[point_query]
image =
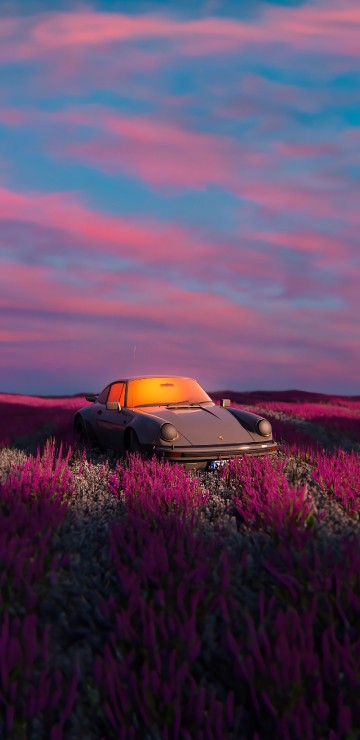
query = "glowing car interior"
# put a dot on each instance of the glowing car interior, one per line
(162, 391)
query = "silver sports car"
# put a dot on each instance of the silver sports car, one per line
(173, 418)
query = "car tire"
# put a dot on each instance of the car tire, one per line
(81, 433)
(134, 445)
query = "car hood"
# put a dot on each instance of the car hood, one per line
(211, 425)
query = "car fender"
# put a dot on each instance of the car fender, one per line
(88, 426)
(248, 420)
(147, 429)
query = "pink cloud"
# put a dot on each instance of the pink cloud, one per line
(261, 94)
(325, 249)
(81, 71)
(165, 153)
(254, 264)
(97, 318)
(96, 331)
(250, 314)
(58, 224)
(48, 293)
(45, 289)
(57, 31)
(285, 198)
(159, 152)
(251, 349)
(327, 332)
(168, 153)
(147, 240)
(13, 116)
(303, 149)
(325, 27)
(327, 197)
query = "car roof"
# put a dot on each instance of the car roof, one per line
(144, 377)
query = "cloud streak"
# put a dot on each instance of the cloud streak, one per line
(327, 27)
(187, 183)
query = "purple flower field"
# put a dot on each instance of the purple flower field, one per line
(140, 600)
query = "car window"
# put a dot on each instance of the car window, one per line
(103, 395)
(163, 390)
(117, 393)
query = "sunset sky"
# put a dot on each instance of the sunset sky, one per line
(179, 193)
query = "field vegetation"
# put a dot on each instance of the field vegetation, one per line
(140, 600)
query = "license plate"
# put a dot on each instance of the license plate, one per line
(215, 464)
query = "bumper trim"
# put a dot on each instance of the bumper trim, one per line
(205, 454)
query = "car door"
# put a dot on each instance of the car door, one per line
(111, 422)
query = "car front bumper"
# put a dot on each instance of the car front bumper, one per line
(199, 457)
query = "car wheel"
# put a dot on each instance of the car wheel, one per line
(81, 433)
(133, 442)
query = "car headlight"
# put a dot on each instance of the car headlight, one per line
(168, 432)
(264, 427)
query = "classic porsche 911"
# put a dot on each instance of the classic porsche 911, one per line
(173, 418)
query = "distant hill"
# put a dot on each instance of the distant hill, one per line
(292, 396)
(36, 395)
(246, 397)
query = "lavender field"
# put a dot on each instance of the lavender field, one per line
(140, 600)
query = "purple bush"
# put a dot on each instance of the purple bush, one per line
(291, 668)
(22, 417)
(339, 476)
(32, 507)
(292, 686)
(294, 441)
(165, 592)
(157, 487)
(343, 419)
(202, 641)
(263, 498)
(27, 687)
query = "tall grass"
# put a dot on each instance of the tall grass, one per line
(203, 640)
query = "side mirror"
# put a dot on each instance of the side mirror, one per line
(91, 397)
(113, 406)
(225, 402)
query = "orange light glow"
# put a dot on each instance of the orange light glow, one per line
(161, 391)
(117, 393)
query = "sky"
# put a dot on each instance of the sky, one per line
(180, 194)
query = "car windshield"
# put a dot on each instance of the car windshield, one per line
(164, 391)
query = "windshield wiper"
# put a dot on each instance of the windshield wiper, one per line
(184, 404)
(176, 404)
